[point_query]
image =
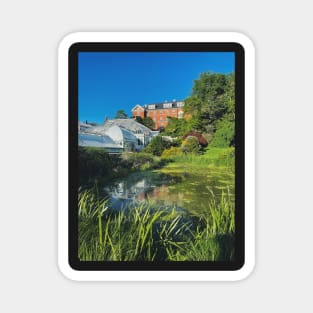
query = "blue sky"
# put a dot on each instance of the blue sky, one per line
(109, 81)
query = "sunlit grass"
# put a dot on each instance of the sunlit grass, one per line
(211, 157)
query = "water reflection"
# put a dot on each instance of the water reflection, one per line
(191, 192)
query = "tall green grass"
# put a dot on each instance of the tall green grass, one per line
(146, 233)
(213, 156)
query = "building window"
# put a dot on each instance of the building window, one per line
(167, 105)
(180, 104)
(180, 114)
(151, 106)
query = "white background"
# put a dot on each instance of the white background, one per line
(30, 32)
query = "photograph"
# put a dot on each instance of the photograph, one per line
(156, 156)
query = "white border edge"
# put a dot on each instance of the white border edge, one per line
(249, 264)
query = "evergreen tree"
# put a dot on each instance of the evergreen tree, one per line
(147, 121)
(121, 114)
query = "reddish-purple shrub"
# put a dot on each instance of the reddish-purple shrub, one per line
(197, 135)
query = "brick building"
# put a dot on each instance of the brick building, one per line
(159, 112)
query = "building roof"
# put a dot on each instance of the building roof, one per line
(137, 106)
(91, 140)
(161, 105)
(118, 134)
(131, 124)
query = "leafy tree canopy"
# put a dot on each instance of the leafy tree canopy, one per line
(225, 132)
(147, 121)
(212, 96)
(212, 107)
(176, 127)
(121, 114)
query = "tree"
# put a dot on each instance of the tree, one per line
(176, 127)
(195, 123)
(210, 97)
(225, 132)
(139, 119)
(121, 114)
(212, 107)
(147, 121)
(193, 105)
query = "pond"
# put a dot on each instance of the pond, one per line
(185, 189)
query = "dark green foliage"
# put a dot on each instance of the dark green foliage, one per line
(195, 123)
(137, 159)
(176, 142)
(142, 161)
(176, 127)
(157, 145)
(193, 105)
(212, 95)
(212, 107)
(147, 121)
(225, 133)
(95, 163)
(121, 114)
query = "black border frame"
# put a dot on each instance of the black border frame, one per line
(73, 260)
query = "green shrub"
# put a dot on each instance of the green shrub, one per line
(191, 145)
(157, 145)
(201, 140)
(136, 160)
(95, 163)
(142, 161)
(171, 152)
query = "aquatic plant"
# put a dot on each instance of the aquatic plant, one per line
(148, 233)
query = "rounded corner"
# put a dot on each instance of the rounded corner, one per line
(245, 271)
(67, 271)
(68, 41)
(244, 41)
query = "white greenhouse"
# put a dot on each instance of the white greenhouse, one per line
(126, 134)
(99, 141)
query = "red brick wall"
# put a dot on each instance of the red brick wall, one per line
(159, 116)
(139, 112)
